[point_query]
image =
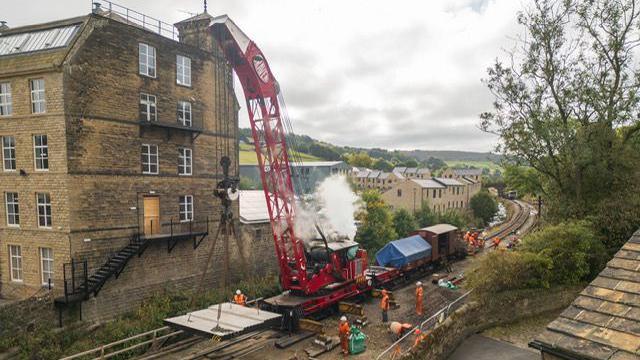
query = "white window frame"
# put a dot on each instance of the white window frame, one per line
(183, 70)
(15, 269)
(6, 107)
(43, 201)
(12, 208)
(38, 100)
(41, 162)
(186, 208)
(149, 103)
(46, 257)
(148, 157)
(10, 150)
(147, 60)
(184, 113)
(185, 161)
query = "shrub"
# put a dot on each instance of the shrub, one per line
(484, 206)
(575, 251)
(500, 271)
(403, 222)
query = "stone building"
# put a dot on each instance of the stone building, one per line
(255, 229)
(439, 194)
(112, 135)
(375, 179)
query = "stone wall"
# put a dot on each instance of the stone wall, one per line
(475, 317)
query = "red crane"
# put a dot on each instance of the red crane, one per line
(261, 92)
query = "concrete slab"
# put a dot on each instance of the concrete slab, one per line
(478, 347)
(225, 320)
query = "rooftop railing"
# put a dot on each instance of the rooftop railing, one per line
(118, 12)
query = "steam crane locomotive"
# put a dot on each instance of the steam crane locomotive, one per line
(315, 275)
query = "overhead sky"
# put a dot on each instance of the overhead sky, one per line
(370, 73)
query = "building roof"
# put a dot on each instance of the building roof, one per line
(467, 172)
(604, 321)
(448, 181)
(318, 163)
(469, 180)
(363, 173)
(411, 170)
(374, 174)
(253, 207)
(399, 169)
(424, 171)
(385, 175)
(201, 16)
(35, 39)
(440, 228)
(428, 184)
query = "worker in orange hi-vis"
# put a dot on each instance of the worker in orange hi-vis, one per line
(239, 298)
(496, 242)
(384, 305)
(398, 329)
(344, 330)
(419, 297)
(420, 336)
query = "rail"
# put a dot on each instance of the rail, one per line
(131, 17)
(430, 322)
(102, 352)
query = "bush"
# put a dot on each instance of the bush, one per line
(484, 206)
(500, 271)
(573, 248)
(403, 222)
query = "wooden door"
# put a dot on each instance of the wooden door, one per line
(151, 215)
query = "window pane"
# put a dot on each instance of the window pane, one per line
(41, 152)
(5, 99)
(9, 153)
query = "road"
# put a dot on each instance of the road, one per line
(478, 347)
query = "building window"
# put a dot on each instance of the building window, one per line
(44, 210)
(439, 193)
(147, 60)
(149, 159)
(5, 99)
(38, 103)
(183, 70)
(184, 113)
(41, 152)
(399, 192)
(15, 254)
(258, 234)
(434, 193)
(184, 161)
(9, 153)
(148, 109)
(46, 264)
(13, 210)
(186, 208)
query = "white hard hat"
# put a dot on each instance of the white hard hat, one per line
(238, 292)
(344, 318)
(419, 283)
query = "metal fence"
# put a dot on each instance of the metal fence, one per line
(403, 345)
(118, 12)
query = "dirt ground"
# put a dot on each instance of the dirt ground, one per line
(378, 336)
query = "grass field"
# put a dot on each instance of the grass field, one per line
(248, 155)
(479, 164)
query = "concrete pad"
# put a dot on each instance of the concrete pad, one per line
(224, 321)
(478, 347)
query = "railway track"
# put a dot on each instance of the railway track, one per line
(517, 222)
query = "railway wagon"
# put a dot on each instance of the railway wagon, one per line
(443, 239)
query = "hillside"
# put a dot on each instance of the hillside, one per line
(314, 150)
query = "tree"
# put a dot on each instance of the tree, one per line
(425, 217)
(382, 164)
(434, 163)
(525, 180)
(483, 206)
(566, 104)
(324, 151)
(377, 227)
(410, 163)
(403, 222)
(361, 159)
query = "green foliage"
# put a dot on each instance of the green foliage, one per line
(377, 227)
(425, 217)
(248, 184)
(410, 163)
(382, 164)
(501, 271)
(484, 206)
(524, 179)
(568, 109)
(576, 253)
(404, 223)
(324, 151)
(434, 164)
(361, 159)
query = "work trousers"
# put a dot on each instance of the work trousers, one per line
(385, 318)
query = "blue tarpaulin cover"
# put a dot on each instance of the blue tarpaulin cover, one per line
(399, 253)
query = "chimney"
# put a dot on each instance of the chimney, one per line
(3, 26)
(195, 31)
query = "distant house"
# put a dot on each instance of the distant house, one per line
(439, 194)
(375, 179)
(412, 173)
(306, 176)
